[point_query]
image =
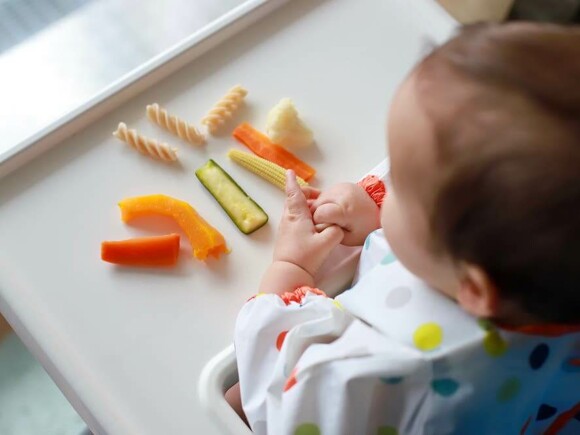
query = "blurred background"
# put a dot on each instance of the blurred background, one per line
(55, 55)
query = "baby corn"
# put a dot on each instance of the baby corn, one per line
(269, 171)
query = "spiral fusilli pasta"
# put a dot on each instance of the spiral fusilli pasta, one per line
(149, 147)
(224, 108)
(174, 125)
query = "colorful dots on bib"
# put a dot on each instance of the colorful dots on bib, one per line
(398, 297)
(445, 387)
(392, 380)
(545, 412)
(337, 304)
(291, 381)
(307, 429)
(387, 430)
(388, 259)
(368, 242)
(428, 336)
(485, 324)
(494, 344)
(280, 339)
(571, 365)
(508, 390)
(539, 356)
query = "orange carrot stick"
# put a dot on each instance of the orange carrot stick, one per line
(262, 146)
(142, 251)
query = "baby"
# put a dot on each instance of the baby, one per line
(464, 316)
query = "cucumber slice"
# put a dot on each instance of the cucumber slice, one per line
(242, 210)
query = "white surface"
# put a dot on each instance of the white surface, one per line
(127, 346)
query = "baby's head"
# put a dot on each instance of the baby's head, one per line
(484, 141)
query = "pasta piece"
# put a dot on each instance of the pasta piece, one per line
(149, 147)
(174, 125)
(224, 108)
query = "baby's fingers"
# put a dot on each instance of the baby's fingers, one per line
(331, 237)
(331, 214)
(311, 193)
(321, 227)
(310, 204)
(296, 205)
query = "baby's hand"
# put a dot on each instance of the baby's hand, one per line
(298, 242)
(349, 206)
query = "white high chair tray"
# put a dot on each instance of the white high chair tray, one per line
(127, 346)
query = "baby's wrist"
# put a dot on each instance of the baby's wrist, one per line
(284, 276)
(374, 188)
(294, 267)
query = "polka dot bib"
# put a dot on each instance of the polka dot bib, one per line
(395, 302)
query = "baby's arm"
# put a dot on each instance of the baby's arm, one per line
(349, 206)
(300, 249)
(298, 253)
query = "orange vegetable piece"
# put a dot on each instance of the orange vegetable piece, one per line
(205, 240)
(262, 146)
(143, 251)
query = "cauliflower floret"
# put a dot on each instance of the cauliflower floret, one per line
(285, 128)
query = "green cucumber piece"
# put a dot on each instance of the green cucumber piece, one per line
(242, 210)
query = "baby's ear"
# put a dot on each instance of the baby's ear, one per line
(477, 294)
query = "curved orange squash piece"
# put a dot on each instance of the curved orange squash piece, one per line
(205, 240)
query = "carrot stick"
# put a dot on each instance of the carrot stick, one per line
(143, 251)
(262, 146)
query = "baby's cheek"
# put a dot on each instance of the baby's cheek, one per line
(399, 233)
(391, 222)
(385, 214)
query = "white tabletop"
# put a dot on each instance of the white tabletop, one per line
(127, 346)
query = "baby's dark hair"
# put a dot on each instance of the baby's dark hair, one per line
(508, 144)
